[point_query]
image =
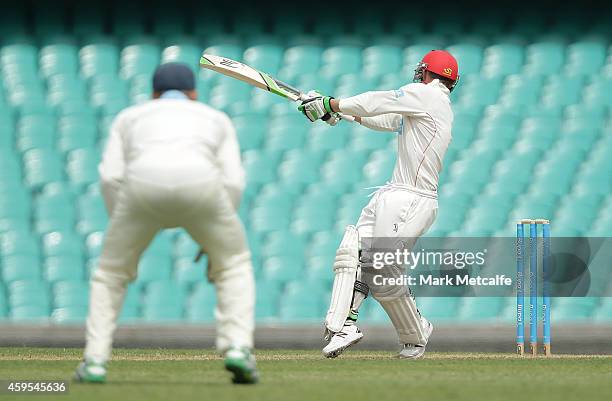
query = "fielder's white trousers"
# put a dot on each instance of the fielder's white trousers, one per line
(205, 211)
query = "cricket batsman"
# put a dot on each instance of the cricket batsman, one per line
(173, 162)
(403, 209)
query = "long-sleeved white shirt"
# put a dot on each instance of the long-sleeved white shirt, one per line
(422, 116)
(171, 142)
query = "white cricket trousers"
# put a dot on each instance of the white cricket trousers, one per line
(205, 211)
(404, 213)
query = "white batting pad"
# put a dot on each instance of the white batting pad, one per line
(345, 270)
(406, 319)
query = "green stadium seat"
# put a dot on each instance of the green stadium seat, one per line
(201, 303)
(300, 167)
(163, 299)
(94, 243)
(251, 130)
(484, 90)
(268, 294)
(62, 244)
(502, 59)
(69, 315)
(288, 244)
(188, 54)
(260, 167)
(481, 308)
(154, 268)
(19, 243)
(585, 57)
(98, 59)
(439, 308)
(29, 293)
(341, 59)
(162, 244)
(266, 58)
(14, 205)
(562, 90)
(35, 132)
(42, 166)
(574, 309)
(92, 214)
(586, 111)
(186, 271)
(58, 58)
(29, 313)
(281, 269)
(381, 59)
(63, 267)
(283, 138)
(547, 57)
(82, 167)
(20, 267)
(379, 168)
(322, 137)
(299, 60)
(598, 93)
(185, 247)
(70, 294)
(343, 168)
(294, 308)
(311, 218)
(469, 57)
(51, 213)
(365, 139)
(75, 135)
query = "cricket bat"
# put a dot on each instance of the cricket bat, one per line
(251, 76)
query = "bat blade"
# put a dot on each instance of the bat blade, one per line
(250, 75)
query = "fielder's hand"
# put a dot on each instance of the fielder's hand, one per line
(317, 107)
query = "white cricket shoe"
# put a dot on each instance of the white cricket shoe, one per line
(349, 335)
(413, 351)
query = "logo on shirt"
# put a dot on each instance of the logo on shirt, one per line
(448, 71)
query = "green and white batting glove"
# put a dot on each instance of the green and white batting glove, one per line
(316, 106)
(333, 118)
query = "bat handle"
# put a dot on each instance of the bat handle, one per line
(345, 117)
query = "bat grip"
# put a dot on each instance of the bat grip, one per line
(345, 117)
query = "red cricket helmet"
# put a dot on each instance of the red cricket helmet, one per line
(439, 62)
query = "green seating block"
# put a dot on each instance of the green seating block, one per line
(70, 293)
(42, 166)
(20, 267)
(201, 303)
(62, 268)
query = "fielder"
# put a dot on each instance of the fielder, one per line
(403, 209)
(173, 162)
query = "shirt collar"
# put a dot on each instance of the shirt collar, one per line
(173, 94)
(440, 85)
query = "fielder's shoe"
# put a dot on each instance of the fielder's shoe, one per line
(349, 335)
(90, 371)
(413, 351)
(242, 364)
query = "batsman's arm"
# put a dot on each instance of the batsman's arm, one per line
(405, 101)
(388, 122)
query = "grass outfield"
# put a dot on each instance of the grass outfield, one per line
(136, 375)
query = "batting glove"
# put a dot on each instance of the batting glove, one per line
(316, 107)
(331, 118)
